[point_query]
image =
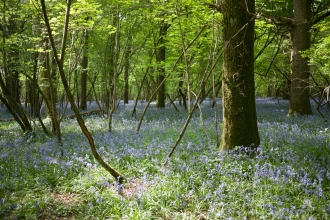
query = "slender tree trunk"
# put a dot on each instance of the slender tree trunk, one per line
(16, 107)
(126, 73)
(60, 60)
(12, 75)
(44, 81)
(239, 126)
(114, 70)
(52, 103)
(139, 91)
(12, 112)
(10, 85)
(109, 69)
(161, 94)
(299, 93)
(182, 93)
(34, 93)
(83, 82)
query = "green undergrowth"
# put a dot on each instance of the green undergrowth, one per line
(288, 179)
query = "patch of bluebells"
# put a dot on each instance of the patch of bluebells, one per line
(289, 177)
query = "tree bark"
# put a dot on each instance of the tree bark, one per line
(126, 73)
(182, 93)
(16, 107)
(161, 94)
(113, 106)
(44, 81)
(84, 65)
(12, 73)
(110, 67)
(299, 92)
(238, 91)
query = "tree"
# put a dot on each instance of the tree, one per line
(11, 27)
(84, 65)
(44, 80)
(161, 57)
(301, 40)
(126, 69)
(239, 126)
(298, 18)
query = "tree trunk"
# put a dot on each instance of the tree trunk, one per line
(12, 76)
(126, 73)
(34, 93)
(238, 91)
(52, 104)
(182, 93)
(109, 71)
(299, 93)
(114, 76)
(44, 81)
(84, 65)
(161, 94)
(15, 107)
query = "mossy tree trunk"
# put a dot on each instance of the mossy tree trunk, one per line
(238, 91)
(299, 93)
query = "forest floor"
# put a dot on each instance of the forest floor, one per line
(288, 179)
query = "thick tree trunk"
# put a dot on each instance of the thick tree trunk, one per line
(161, 94)
(84, 65)
(299, 93)
(238, 91)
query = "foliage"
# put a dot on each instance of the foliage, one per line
(288, 179)
(318, 53)
(139, 23)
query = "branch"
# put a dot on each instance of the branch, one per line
(321, 17)
(278, 21)
(214, 6)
